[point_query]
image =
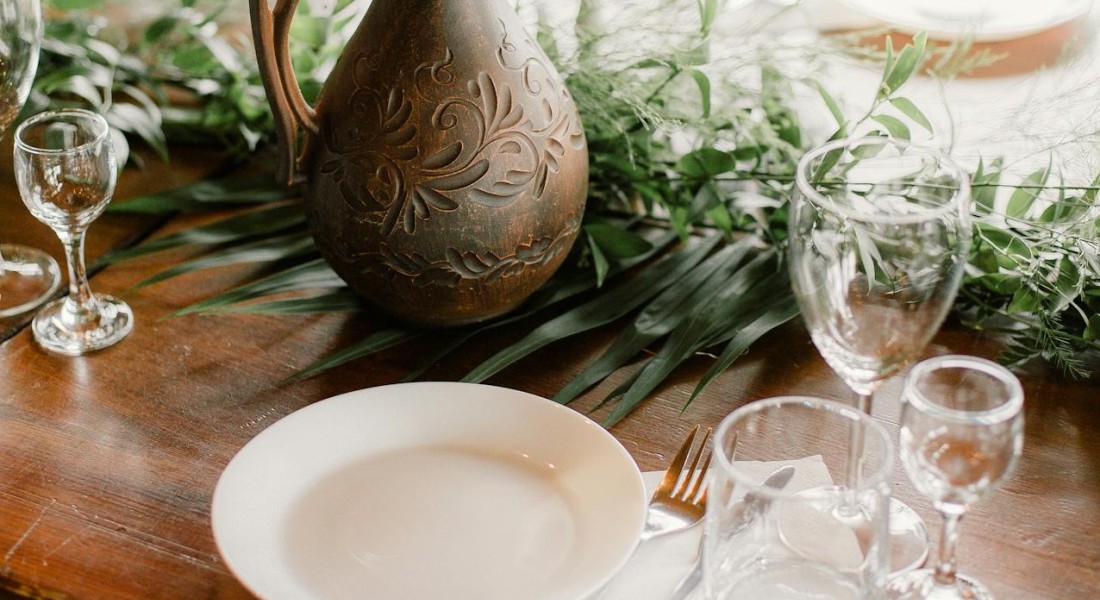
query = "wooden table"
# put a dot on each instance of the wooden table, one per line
(108, 461)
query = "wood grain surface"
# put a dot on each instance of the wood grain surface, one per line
(108, 461)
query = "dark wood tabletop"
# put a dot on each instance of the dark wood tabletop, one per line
(108, 462)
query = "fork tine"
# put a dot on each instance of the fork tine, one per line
(701, 474)
(672, 474)
(689, 487)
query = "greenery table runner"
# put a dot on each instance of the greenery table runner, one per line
(695, 116)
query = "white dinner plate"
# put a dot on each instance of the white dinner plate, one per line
(429, 491)
(985, 20)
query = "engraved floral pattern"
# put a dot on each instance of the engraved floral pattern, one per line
(377, 167)
(488, 266)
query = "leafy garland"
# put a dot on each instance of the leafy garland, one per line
(705, 178)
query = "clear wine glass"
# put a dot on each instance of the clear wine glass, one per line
(66, 170)
(961, 436)
(28, 276)
(879, 237)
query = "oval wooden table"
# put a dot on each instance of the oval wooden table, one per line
(108, 461)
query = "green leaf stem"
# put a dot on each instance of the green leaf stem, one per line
(702, 151)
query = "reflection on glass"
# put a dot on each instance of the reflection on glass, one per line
(28, 276)
(66, 171)
(961, 435)
(879, 236)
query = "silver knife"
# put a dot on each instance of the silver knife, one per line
(777, 480)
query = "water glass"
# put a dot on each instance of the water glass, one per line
(812, 536)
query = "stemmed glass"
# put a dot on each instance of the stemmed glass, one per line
(66, 171)
(28, 276)
(961, 436)
(879, 236)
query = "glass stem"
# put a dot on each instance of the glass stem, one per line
(79, 309)
(855, 445)
(945, 561)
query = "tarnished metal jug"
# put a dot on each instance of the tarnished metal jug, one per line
(444, 163)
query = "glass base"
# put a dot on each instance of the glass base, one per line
(113, 322)
(908, 538)
(28, 278)
(921, 585)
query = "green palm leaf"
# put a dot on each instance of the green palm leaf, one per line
(768, 319)
(376, 342)
(703, 328)
(253, 224)
(307, 276)
(339, 301)
(660, 316)
(557, 290)
(208, 194)
(609, 306)
(266, 250)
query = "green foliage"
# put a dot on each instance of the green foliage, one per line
(1035, 268)
(182, 77)
(702, 152)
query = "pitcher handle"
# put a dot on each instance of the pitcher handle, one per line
(271, 36)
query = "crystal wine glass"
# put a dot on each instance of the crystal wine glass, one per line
(66, 171)
(961, 436)
(28, 276)
(879, 236)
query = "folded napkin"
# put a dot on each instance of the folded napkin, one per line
(659, 564)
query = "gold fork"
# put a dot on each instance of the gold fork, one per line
(680, 499)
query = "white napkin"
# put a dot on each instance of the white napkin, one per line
(659, 564)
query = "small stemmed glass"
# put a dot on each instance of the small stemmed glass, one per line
(879, 237)
(961, 436)
(66, 170)
(28, 276)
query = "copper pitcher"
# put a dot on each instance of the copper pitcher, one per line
(444, 164)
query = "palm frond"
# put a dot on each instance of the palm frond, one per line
(310, 275)
(663, 314)
(266, 250)
(707, 325)
(250, 225)
(375, 342)
(343, 300)
(208, 194)
(609, 306)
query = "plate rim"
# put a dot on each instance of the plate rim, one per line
(275, 429)
(986, 35)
